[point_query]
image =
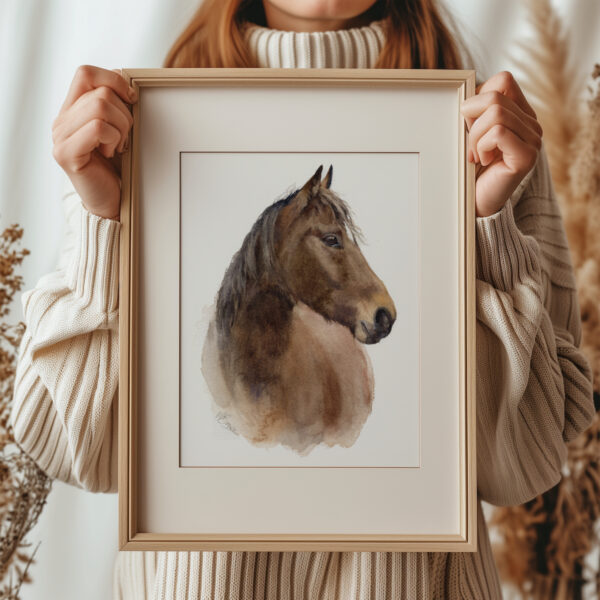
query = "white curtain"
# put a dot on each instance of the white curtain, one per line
(42, 42)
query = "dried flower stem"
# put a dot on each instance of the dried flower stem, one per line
(24, 487)
(545, 541)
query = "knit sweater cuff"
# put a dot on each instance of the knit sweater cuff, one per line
(505, 256)
(93, 272)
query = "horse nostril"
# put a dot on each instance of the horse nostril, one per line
(383, 320)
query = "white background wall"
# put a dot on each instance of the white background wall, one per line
(41, 45)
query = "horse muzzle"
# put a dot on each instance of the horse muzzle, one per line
(380, 327)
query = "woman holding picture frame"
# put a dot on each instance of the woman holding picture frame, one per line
(533, 383)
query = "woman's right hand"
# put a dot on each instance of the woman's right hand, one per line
(89, 134)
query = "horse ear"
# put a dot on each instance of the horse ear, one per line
(302, 198)
(327, 181)
(312, 185)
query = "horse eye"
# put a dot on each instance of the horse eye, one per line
(332, 240)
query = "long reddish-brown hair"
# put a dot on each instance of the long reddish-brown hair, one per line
(416, 35)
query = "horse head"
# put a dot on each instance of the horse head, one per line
(322, 265)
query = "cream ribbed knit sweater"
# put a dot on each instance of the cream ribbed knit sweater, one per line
(533, 385)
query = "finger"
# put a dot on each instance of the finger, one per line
(518, 157)
(88, 77)
(474, 107)
(74, 152)
(506, 84)
(99, 103)
(497, 114)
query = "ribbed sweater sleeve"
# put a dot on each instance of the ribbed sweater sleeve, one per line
(64, 406)
(534, 391)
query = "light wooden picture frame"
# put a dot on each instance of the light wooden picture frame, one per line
(297, 312)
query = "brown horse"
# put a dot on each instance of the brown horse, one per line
(281, 356)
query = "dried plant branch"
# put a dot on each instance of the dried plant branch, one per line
(544, 543)
(24, 487)
(584, 240)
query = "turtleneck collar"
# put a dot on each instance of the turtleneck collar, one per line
(357, 47)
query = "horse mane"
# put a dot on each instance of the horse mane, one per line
(256, 258)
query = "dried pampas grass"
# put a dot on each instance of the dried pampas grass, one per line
(551, 84)
(545, 542)
(23, 486)
(584, 236)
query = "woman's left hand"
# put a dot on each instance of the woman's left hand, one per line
(504, 138)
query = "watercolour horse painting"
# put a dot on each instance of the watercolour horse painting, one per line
(284, 355)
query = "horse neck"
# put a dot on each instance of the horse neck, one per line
(260, 334)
